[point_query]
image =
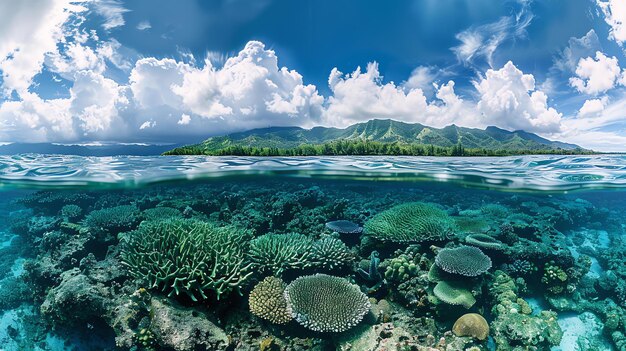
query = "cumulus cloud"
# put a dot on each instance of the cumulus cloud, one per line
(593, 107)
(615, 16)
(509, 99)
(597, 75)
(29, 30)
(144, 25)
(577, 48)
(480, 42)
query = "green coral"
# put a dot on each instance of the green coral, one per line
(71, 211)
(331, 253)
(160, 213)
(554, 278)
(113, 219)
(484, 241)
(411, 222)
(275, 253)
(405, 265)
(187, 257)
(325, 303)
(468, 261)
(454, 294)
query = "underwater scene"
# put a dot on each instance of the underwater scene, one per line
(335, 253)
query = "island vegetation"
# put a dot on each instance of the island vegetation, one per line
(365, 148)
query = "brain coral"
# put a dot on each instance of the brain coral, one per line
(464, 260)
(187, 256)
(267, 301)
(325, 303)
(410, 222)
(471, 324)
(275, 253)
(454, 295)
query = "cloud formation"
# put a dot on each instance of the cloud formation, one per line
(615, 16)
(595, 76)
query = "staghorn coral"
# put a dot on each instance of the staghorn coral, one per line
(187, 256)
(410, 222)
(330, 253)
(267, 301)
(71, 212)
(113, 219)
(468, 261)
(325, 303)
(471, 324)
(275, 253)
(454, 294)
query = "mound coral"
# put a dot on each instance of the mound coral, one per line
(411, 222)
(330, 253)
(471, 324)
(325, 303)
(485, 242)
(187, 256)
(454, 295)
(267, 301)
(113, 219)
(468, 261)
(275, 253)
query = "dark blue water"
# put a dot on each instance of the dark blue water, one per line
(363, 253)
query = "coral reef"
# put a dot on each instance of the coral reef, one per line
(471, 324)
(187, 256)
(325, 303)
(468, 261)
(267, 301)
(275, 253)
(410, 222)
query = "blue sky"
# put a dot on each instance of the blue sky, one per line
(165, 71)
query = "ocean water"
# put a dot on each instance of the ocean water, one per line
(327, 253)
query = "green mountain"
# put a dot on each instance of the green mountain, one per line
(377, 132)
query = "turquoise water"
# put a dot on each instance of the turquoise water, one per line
(346, 253)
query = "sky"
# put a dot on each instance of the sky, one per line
(163, 71)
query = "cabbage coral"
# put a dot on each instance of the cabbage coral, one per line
(410, 222)
(454, 295)
(325, 303)
(468, 261)
(188, 257)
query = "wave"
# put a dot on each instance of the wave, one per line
(518, 173)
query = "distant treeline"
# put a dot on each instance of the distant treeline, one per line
(363, 147)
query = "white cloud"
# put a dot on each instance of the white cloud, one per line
(509, 99)
(144, 25)
(147, 124)
(597, 75)
(29, 30)
(112, 11)
(593, 107)
(615, 16)
(184, 119)
(421, 77)
(247, 86)
(577, 49)
(481, 42)
(151, 82)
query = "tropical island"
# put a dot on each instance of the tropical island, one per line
(379, 137)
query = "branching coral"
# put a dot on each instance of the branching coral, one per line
(464, 260)
(160, 213)
(267, 301)
(187, 257)
(113, 219)
(411, 222)
(330, 253)
(325, 303)
(275, 253)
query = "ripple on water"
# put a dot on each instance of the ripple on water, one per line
(540, 173)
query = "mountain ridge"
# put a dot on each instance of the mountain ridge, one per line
(385, 131)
